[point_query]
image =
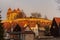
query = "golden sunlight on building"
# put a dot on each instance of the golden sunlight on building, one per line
(23, 22)
(14, 14)
(17, 17)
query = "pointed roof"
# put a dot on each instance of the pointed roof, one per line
(57, 19)
(9, 11)
(14, 10)
(17, 28)
(18, 10)
(28, 30)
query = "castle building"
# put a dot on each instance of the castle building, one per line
(15, 14)
(17, 19)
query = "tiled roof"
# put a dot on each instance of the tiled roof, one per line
(7, 25)
(21, 22)
(57, 20)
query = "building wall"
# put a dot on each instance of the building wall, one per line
(29, 36)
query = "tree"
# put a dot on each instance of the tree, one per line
(1, 32)
(36, 15)
(1, 29)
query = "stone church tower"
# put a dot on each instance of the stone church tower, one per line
(15, 14)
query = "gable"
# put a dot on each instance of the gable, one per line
(57, 20)
(17, 28)
(27, 29)
(55, 23)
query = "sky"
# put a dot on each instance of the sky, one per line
(45, 7)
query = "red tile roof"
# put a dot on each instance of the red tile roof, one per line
(21, 22)
(57, 20)
(6, 25)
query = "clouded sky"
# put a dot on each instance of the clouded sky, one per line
(45, 7)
